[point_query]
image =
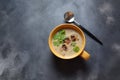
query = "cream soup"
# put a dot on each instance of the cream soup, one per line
(67, 42)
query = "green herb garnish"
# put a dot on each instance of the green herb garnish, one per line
(56, 43)
(73, 44)
(56, 36)
(59, 37)
(60, 41)
(62, 32)
(76, 49)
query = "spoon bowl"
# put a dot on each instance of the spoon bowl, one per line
(69, 17)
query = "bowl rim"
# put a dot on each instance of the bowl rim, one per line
(55, 29)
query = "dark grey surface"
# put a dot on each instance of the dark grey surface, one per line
(24, 29)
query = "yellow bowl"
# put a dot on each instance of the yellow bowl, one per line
(81, 52)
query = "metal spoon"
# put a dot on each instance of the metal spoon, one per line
(69, 18)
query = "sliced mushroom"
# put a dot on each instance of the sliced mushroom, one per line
(73, 38)
(64, 47)
(67, 40)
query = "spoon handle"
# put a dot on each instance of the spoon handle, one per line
(88, 33)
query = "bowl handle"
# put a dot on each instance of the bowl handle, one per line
(85, 55)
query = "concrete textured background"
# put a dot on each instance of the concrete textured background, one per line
(24, 29)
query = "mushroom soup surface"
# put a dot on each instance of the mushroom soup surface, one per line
(67, 42)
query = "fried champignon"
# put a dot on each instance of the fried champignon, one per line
(67, 40)
(73, 38)
(64, 47)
